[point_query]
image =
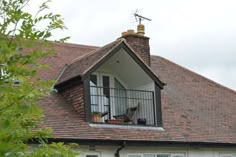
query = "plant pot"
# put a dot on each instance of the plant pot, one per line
(142, 121)
(115, 121)
(96, 118)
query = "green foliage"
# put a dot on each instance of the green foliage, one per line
(23, 42)
(97, 113)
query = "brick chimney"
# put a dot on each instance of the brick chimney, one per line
(139, 42)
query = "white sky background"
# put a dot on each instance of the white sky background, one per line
(197, 34)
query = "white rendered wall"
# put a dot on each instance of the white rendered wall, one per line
(109, 151)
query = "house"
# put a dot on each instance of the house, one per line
(118, 100)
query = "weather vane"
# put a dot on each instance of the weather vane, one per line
(140, 18)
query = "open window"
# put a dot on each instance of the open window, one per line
(113, 102)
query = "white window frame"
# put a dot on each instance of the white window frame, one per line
(92, 153)
(141, 154)
(177, 154)
(171, 154)
(163, 154)
(112, 77)
(150, 154)
(99, 76)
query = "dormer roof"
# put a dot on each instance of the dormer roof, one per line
(84, 65)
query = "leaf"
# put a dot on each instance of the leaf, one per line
(19, 112)
(64, 39)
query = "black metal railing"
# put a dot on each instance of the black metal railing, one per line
(122, 106)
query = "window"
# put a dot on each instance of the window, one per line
(92, 155)
(177, 155)
(163, 155)
(157, 155)
(149, 155)
(111, 102)
(100, 93)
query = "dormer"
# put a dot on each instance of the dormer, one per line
(114, 84)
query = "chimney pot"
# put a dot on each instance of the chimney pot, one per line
(130, 31)
(124, 34)
(141, 29)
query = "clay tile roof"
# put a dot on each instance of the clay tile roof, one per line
(80, 65)
(65, 53)
(194, 108)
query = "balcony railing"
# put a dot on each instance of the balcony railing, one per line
(122, 106)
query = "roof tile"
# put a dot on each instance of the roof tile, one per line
(194, 108)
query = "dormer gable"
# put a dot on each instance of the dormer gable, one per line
(83, 66)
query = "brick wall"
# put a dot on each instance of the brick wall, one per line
(140, 45)
(75, 96)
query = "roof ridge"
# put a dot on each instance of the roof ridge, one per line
(75, 45)
(91, 52)
(195, 73)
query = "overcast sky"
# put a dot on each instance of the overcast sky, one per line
(197, 34)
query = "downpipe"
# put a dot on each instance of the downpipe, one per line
(117, 154)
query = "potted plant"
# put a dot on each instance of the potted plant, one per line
(141, 121)
(96, 117)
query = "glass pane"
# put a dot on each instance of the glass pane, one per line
(106, 85)
(163, 155)
(106, 95)
(177, 155)
(94, 93)
(120, 96)
(149, 155)
(93, 80)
